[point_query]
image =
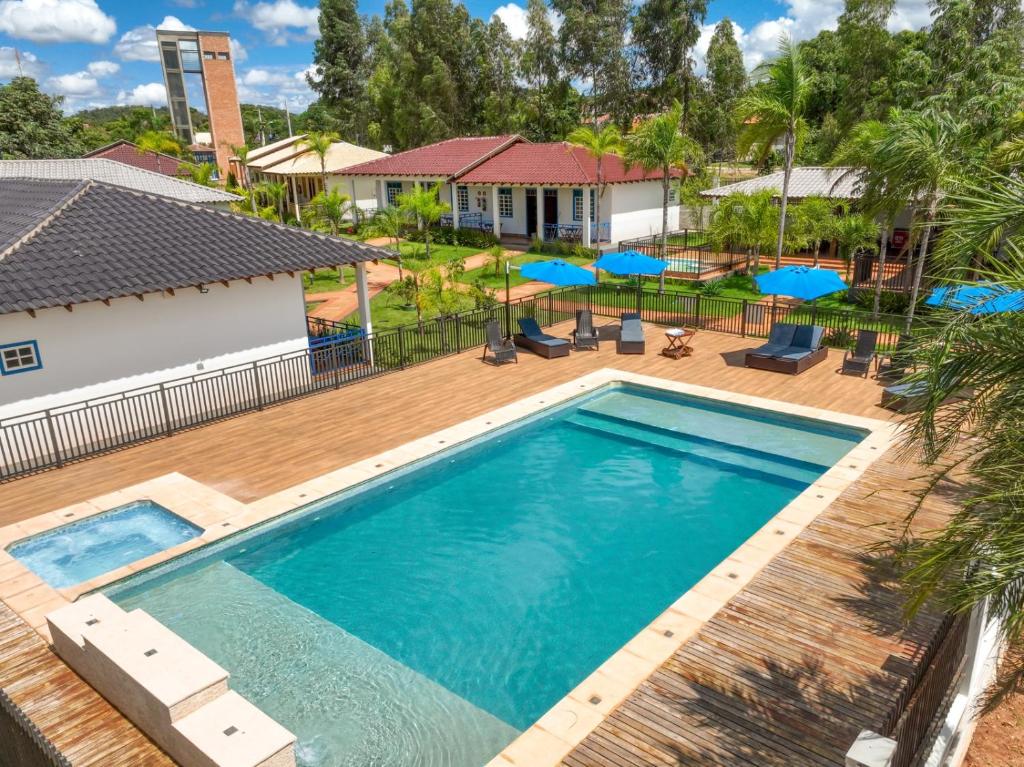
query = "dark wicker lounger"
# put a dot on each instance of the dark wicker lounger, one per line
(539, 342)
(804, 349)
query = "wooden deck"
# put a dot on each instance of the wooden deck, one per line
(253, 455)
(787, 674)
(77, 721)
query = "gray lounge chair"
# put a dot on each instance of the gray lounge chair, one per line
(805, 350)
(859, 360)
(893, 365)
(631, 336)
(585, 336)
(780, 338)
(537, 341)
(502, 349)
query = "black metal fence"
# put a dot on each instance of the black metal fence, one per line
(689, 253)
(21, 742)
(53, 437)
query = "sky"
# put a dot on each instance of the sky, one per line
(103, 52)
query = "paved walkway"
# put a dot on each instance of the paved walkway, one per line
(338, 304)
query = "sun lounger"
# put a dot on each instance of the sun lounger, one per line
(894, 364)
(631, 335)
(502, 349)
(804, 350)
(585, 336)
(537, 341)
(859, 360)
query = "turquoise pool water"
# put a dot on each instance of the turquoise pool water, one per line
(430, 617)
(81, 550)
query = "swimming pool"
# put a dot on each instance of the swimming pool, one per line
(81, 550)
(430, 616)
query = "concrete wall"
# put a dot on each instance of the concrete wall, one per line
(636, 210)
(366, 190)
(96, 349)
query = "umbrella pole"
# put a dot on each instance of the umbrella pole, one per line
(508, 308)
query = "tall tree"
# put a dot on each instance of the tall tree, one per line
(592, 42)
(339, 60)
(727, 78)
(658, 144)
(597, 143)
(550, 108)
(747, 220)
(32, 125)
(665, 32)
(320, 145)
(774, 111)
(865, 54)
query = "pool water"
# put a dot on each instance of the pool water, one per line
(429, 618)
(81, 550)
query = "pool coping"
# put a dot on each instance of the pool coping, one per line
(565, 724)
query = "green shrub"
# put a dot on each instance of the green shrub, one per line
(711, 288)
(840, 337)
(446, 235)
(891, 302)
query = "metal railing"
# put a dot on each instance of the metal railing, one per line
(688, 253)
(21, 742)
(50, 438)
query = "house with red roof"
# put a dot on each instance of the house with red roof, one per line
(129, 153)
(519, 189)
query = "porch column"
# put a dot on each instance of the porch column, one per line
(419, 221)
(363, 297)
(455, 205)
(379, 188)
(295, 198)
(355, 202)
(585, 193)
(540, 212)
(494, 207)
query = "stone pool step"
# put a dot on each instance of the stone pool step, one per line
(722, 455)
(159, 681)
(770, 434)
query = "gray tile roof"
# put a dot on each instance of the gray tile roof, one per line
(69, 242)
(116, 173)
(807, 181)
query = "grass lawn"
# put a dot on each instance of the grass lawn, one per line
(327, 279)
(388, 312)
(415, 252)
(311, 305)
(489, 279)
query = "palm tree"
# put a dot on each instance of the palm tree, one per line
(328, 210)
(422, 204)
(816, 218)
(921, 157)
(241, 151)
(773, 110)
(320, 144)
(597, 144)
(659, 145)
(855, 232)
(977, 556)
(391, 222)
(157, 141)
(275, 193)
(747, 220)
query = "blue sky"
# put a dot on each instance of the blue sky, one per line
(99, 52)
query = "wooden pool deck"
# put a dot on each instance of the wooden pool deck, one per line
(806, 655)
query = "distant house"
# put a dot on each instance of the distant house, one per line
(117, 174)
(103, 289)
(127, 152)
(520, 190)
(291, 162)
(838, 183)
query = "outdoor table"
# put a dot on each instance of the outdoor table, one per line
(678, 343)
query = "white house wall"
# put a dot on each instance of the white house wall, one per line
(366, 190)
(636, 210)
(96, 350)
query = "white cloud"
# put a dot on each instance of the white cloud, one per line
(73, 84)
(276, 86)
(910, 14)
(281, 20)
(514, 18)
(56, 21)
(238, 51)
(145, 94)
(103, 68)
(31, 66)
(139, 44)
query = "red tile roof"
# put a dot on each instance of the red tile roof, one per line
(554, 163)
(128, 153)
(443, 159)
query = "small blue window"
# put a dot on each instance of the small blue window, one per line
(462, 196)
(577, 204)
(19, 357)
(394, 188)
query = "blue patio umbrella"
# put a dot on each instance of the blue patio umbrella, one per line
(801, 282)
(631, 262)
(978, 298)
(558, 272)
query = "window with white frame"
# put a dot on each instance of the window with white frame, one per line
(462, 197)
(19, 357)
(394, 188)
(505, 203)
(593, 202)
(577, 204)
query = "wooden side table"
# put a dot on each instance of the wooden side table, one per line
(678, 343)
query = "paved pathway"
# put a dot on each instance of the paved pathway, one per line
(338, 304)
